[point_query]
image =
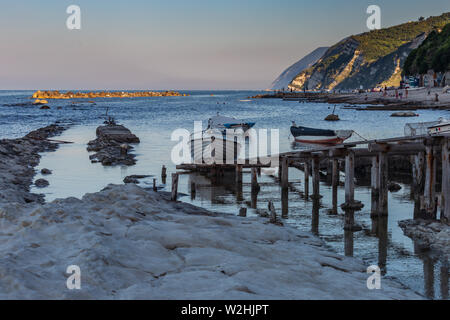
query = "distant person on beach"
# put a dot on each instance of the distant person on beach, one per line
(406, 93)
(396, 93)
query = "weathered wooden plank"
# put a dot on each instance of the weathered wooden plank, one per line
(238, 173)
(418, 169)
(174, 186)
(255, 185)
(375, 187)
(350, 178)
(445, 200)
(335, 185)
(307, 173)
(284, 172)
(273, 213)
(430, 183)
(316, 177)
(243, 212)
(383, 184)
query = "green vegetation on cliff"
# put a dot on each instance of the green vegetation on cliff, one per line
(433, 54)
(369, 59)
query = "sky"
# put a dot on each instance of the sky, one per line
(177, 44)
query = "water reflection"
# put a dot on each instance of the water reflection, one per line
(226, 190)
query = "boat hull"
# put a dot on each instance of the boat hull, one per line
(218, 151)
(320, 140)
(319, 136)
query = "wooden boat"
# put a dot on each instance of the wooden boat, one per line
(211, 146)
(442, 127)
(319, 136)
(223, 123)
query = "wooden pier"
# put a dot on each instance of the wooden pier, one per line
(425, 153)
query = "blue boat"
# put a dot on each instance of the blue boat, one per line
(319, 136)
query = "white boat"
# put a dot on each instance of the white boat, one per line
(212, 147)
(424, 128)
(442, 127)
(223, 123)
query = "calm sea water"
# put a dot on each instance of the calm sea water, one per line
(154, 119)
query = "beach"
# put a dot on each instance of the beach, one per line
(420, 98)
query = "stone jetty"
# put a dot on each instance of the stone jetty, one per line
(103, 94)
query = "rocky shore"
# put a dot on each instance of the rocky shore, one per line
(153, 248)
(112, 146)
(103, 94)
(429, 235)
(133, 243)
(18, 157)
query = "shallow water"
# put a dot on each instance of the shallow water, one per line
(154, 119)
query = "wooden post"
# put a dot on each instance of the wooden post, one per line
(284, 203)
(316, 177)
(239, 173)
(428, 275)
(285, 172)
(383, 181)
(273, 213)
(430, 184)
(193, 190)
(174, 186)
(382, 234)
(243, 212)
(375, 186)
(239, 192)
(418, 164)
(154, 185)
(335, 184)
(163, 174)
(444, 280)
(306, 171)
(445, 197)
(330, 164)
(348, 243)
(350, 178)
(255, 185)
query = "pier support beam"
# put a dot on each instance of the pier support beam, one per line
(375, 186)
(349, 191)
(174, 186)
(418, 165)
(383, 184)
(284, 172)
(335, 184)
(255, 185)
(316, 177)
(238, 174)
(445, 198)
(430, 183)
(307, 172)
(163, 174)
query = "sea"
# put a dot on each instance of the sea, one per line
(154, 120)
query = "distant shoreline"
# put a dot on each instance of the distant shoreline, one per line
(417, 99)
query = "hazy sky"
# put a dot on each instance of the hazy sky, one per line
(177, 44)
